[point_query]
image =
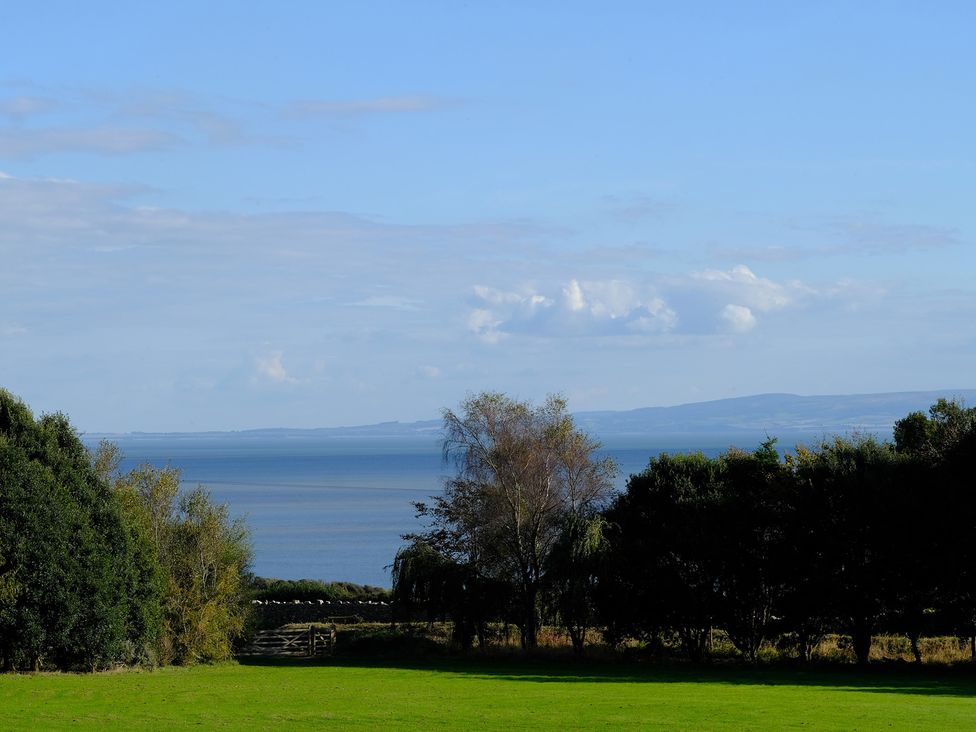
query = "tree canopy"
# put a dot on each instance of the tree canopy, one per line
(522, 472)
(78, 585)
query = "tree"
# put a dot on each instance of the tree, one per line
(573, 572)
(667, 551)
(849, 485)
(934, 436)
(422, 582)
(753, 577)
(435, 586)
(942, 445)
(204, 558)
(78, 585)
(522, 472)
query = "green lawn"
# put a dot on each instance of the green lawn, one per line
(459, 695)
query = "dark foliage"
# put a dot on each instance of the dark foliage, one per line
(79, 586)
(852, 536)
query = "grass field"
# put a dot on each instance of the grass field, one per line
(468, 695)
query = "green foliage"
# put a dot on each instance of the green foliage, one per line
(266, 588)
(302, 589)
(204, 560)
(354, 591)
(934, 436)
(78, 585)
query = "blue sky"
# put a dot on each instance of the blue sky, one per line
(315, 214)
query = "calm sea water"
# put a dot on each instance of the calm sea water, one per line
(335, 509)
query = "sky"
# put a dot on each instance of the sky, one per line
(226, 215)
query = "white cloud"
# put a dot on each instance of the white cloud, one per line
(9, 331)
(484, 324)
(574, 296)
(700, 302)
(497, 297)
(759, 292)
(271, 367)
(739, 318)
(597, 307)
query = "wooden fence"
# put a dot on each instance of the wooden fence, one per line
(304, 642)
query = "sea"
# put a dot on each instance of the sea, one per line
(336, 508)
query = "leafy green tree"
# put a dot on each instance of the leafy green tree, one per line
(78, 584)
(934, 436)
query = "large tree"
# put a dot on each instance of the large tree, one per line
(847, 486)
(753, 576)
(667, 552)
(522, 472)
(78, 584)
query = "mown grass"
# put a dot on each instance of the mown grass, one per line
(446, 694)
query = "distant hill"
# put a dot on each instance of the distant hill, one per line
(776, 414)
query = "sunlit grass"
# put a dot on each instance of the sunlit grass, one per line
(468, 695)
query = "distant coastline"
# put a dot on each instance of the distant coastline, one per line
(781, 415)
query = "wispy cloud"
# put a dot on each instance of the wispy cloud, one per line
(376, 105)
(96, 120)
(395, 302)
(21, 107)
(880, 237)
(842, 236)
(23, 143)
(636, 208)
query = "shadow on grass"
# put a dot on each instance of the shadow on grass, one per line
(881, 679)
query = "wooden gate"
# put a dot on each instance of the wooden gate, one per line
(303, 642)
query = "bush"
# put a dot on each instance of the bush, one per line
(204, 559)
(265, 588)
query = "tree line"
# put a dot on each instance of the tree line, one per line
(99, 568)
(852, 536)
